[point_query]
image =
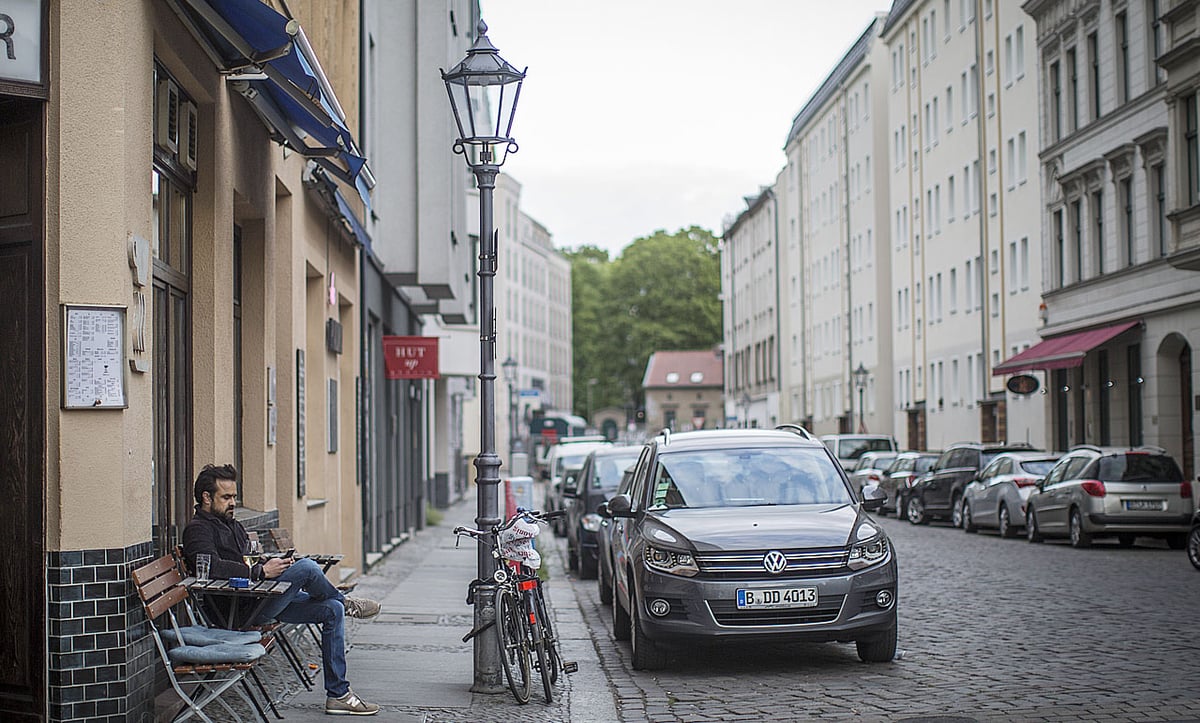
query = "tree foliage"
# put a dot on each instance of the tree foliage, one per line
(660, 294)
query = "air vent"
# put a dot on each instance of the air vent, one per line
(188, 135)
(166, 133)
(333, 336)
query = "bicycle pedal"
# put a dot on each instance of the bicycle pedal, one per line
(570, 667)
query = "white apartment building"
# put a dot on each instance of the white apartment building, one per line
(835, 282)
(749, 286)
(964, 214)
(1120, 169)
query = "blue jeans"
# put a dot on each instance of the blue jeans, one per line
(313, 599)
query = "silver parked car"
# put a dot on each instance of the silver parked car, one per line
(906, 469)
(996, 498)
(1112, 491)
(869, 469)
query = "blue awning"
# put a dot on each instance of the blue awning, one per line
(339, 208)
(269, 60)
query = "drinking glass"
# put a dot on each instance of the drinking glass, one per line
(203, 563)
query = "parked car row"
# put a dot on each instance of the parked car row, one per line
(1088, 493)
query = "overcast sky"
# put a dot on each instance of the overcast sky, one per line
(638, 115)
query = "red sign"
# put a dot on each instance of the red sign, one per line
(411, 357)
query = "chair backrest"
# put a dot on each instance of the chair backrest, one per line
(158, 586)
(282, 538)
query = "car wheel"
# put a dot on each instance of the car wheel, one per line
(647, 655)
(1193, 547)
(1006, 526)
(1079, 537)
(916, 511)
(956, 511)
(620, 619)
(1177, 542)
(588, 569)
(968, 523)
(1126, 539)
(879, 648)
(605, 584)
(1031, 529)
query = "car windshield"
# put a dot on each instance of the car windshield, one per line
(566, 462)
(1038, 467)
(610, 469)
(1139, 468)
(924, 464)
(746, 477)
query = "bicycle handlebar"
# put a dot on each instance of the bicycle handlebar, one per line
(531, 515)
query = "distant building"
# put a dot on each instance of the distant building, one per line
(684, 390)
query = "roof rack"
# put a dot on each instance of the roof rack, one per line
(797, 429)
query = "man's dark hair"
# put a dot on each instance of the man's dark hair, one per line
(206, 481)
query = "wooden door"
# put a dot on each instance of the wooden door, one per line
(22, 410)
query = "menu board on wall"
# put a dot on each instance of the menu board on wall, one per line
(93, 357)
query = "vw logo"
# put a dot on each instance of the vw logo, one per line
(774, 562)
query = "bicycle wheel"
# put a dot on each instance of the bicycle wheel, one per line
(548, 636)
(541, 658)
(512, 631)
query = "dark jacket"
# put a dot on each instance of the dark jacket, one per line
(225, 540)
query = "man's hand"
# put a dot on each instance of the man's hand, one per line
(274, 566)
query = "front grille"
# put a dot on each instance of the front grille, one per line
(726, 613)
(802, 563)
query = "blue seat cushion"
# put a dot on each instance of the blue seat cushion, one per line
(200, 635)
(217, 653)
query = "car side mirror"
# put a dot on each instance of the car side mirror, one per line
(602, 510)
(570, 486)
(620, 506)
(872, 497)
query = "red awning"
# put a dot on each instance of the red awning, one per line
(1062, 352)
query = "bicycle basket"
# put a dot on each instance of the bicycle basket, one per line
(516, 543)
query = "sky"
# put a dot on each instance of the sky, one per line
(638, 115)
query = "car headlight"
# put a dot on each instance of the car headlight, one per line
(866, 554)
(671, 562)
(591, 522)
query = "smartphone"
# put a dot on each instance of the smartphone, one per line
(290, 553)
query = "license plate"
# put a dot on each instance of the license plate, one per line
(1155, 505)
(787, 597)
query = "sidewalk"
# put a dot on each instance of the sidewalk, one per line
(411, 659)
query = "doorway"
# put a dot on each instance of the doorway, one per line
(22, 409)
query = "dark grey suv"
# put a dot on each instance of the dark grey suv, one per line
(743, 535)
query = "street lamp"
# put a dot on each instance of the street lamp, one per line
(484, 89)
(860, 383)
(510, 376)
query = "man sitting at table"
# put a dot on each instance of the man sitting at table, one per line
(310, 599)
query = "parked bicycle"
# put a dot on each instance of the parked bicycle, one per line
(525, 632)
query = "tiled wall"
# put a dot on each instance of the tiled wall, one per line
(101, 658)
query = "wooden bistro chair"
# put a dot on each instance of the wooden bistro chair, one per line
(161, 588)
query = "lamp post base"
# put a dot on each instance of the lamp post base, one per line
(489, 677)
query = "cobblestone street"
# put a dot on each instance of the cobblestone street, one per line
(990, 630)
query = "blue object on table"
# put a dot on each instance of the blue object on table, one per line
(240, 583)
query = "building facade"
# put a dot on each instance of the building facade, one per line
(750, 266)
(837, 283)
(1119, 183)
(964, 209)
(684, 390)
(208, 316)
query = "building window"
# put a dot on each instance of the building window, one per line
(1055, 102)
(1133, 382)
(1024, 263)
(1157, 179)
(172, 187)
(1077, 223)
(1098, 228)
(1126, 201)
(1060, 250)
(1122, 31)
(1019, 50)
(1072, 90)
(1093, 44)
(1157, 74)
(1191, 150)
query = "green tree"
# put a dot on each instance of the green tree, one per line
(660, 294)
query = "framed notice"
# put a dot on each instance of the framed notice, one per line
(93, 357)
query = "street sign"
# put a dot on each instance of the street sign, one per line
(1023, 384)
